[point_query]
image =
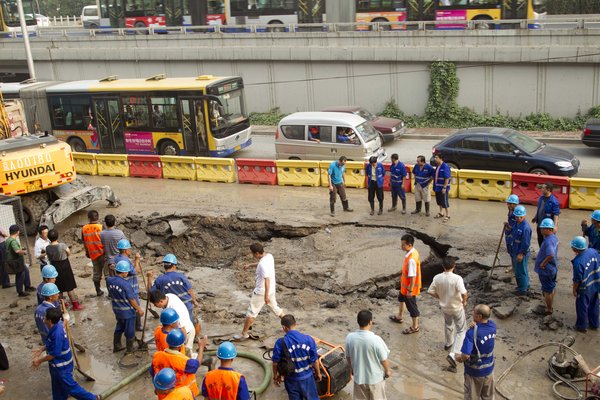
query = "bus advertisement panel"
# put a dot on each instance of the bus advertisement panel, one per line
(381, 11)
(486, 10)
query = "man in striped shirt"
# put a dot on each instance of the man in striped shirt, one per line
(303, 351)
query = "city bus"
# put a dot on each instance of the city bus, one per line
(9, 16)
(274, 12)
(142, 13)
(204, 116)
(381, 11)
(487, 10)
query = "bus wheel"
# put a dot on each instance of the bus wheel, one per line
(93, 26)
(275, 28)
(484, 24)
(77, 145)
(141, 25)
(168, 148)
(381, 27)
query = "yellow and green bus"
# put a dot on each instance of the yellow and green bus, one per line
(203, 116)
(9, 16)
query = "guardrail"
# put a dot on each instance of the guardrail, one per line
(574, 24)
(574, 193)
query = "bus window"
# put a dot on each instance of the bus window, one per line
(164, 112)
(69, 112)
(136, 112)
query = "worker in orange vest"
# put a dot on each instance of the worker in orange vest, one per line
(164, 384)
(169, 320)
(94, 250)
(224, 383)
(410, 284)
(185, 368)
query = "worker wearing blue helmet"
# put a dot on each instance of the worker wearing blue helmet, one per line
(511, 203)
(49, 274)
(519, 252)
(50, 295)
(592, 231)
(586, 284)
(124, 247)
(225, 382)
(546, 263)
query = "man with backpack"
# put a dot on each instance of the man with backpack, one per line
(294, 360)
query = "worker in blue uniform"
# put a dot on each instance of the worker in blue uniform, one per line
(60, 360)
(49, 274)
(519, 252)
(397, 176)
(511, 203)
(592, 231)
(423, 174)
(375, 179)
(176, 283)
(124, 247)
(124, 305)
(586, 284)
(50, 294)
(546, 263)
(548, 207)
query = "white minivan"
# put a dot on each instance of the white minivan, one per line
(90, 18)
(327, 136)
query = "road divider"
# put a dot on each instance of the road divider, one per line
(85, 163)
(260, 172)
(176, 167)
(529, 188)
(212, 169)
(584, 194)
(112, 164)
(144, 166)
(298, 173)
(484, 185)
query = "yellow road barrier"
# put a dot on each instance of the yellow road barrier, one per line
(85, 163)
(176, 167)
(298, 173)
(112, 164)
(215, 169)
(585, 194)
(484, 185)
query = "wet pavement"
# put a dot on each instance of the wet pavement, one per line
(349, 261)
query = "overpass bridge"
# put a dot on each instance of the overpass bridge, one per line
(501, 71)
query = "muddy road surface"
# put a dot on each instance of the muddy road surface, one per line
(327, 269)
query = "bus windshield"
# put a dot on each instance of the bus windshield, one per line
(366, 131)
(231, 111)
(10, 12)
(539, 6)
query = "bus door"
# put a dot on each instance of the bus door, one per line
(193, 125)
(514, 9)
(310, 11)
(110, 125)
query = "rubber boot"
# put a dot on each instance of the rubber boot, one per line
(403, 206)
(117, 346)
(380, 209)
(346, 206)
(394, 204)
(418, 207)
(427, 209)
(99, 291)
(138, 323)
(332, 209)
(372, 208)
(129, 344)
(77, 306)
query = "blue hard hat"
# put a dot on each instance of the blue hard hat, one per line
(165, 379)
(596, 215)
(547, 223)
(168, 316)
(520, 211)
(49, 289)
(49, 272)
(513, 199)
(226, 351)
(579, 243)
(170, 259)
(175, 338)
(123, 266)
(123, 244)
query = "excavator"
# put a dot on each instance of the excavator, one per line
(40, 169)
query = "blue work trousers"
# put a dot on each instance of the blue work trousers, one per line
(126, 326)
(588, 309)
(22, 280)
(521, 273)
(305, 389)
(397, 191)
(63, 385)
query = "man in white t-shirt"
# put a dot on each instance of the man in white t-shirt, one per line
(449, 289)
(264, 290)
(169, 300)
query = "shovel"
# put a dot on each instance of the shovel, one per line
(147, 287)
(71, 344)
(141, 343)
(487, 284)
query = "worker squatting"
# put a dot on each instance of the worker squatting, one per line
(175, 363)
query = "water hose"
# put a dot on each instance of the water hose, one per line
(268, 374)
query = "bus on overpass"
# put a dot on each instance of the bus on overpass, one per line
(9, 16)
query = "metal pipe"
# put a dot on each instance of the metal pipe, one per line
(26, 39)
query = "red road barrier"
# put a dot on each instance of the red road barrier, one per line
(144, 166)
(528, 188)
(256, 171)
(388, 177)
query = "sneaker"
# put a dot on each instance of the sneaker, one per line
(31, 289)
(332, 213)
(415, 212)
(23, 294)
(403, 212)
(392, 209)
(380, 212)
(239, 336)
(372, 212)
(451, 361)
(448, 347)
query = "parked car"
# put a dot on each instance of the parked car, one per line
(591, 133)
(502, 149)
(390, 128)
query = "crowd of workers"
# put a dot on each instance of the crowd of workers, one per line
(295, 357)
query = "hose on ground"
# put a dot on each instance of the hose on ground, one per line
(268, 374)
(551, 372)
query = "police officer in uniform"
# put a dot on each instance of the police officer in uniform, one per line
(124, 305)
(586, 284)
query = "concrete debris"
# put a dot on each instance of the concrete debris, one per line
(330, 304)
(14, 304)
(139, 238)
(504, 312)
(158, 228)
(550, 322)
(178, 227)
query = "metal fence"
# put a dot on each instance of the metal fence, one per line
(11, 213)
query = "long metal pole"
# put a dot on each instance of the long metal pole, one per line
(26, 39)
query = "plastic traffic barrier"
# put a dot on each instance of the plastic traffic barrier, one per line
(298, 173)
(528, 187)
(584, 194)
(256, 171)
(212, 169)
(354, 175)
(177, 167)
(112, 164)
(144, 166)
(453, 183)
(484, 185)
(85, 163)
